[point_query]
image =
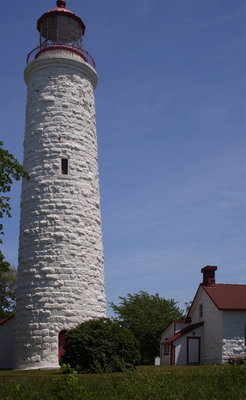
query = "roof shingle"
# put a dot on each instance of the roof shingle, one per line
(227, 296)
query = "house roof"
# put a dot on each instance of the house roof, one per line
(227, 296)
(182, 332)
(6, 319)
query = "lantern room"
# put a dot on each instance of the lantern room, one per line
(61, 26)
(61, 29)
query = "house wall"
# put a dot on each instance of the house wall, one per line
(165, 358)
(181, 346)
(233, 342)
(167, 333)
(6, 344)
(180, 351)
(178, 326)
(211, 343)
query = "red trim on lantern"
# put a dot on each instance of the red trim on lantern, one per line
(57, 46)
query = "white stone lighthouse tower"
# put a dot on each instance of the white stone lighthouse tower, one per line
(61, 272)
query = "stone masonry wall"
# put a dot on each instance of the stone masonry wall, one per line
(61, 271)
(234, 323)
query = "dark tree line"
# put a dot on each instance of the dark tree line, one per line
(10, 170)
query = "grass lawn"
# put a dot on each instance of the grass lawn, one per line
(224, 382)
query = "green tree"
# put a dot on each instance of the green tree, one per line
(8, 280)
(100, 345)
(10, 170)
(188, 305)
(4, 265)
(146, 316)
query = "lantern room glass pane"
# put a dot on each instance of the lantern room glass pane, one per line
(60, 29)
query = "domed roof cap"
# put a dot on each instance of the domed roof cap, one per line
(61, 10)
(61, 3)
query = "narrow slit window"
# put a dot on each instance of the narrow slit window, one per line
(200, 310)
(64, 166)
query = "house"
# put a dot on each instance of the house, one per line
(6, 342)
(214, 329)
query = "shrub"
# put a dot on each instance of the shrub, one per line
(101, 345)
(68, 387)
(237, 359)
(66, 369)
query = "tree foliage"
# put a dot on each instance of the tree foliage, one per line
(10, 170)
(188, 305)
(4, 265)
(8, 280)
(100, 345)
(146, 316)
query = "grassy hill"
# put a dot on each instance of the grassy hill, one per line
(224, 382)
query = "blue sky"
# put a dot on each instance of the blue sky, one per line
(171, 133)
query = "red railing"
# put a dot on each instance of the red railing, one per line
(70, 47)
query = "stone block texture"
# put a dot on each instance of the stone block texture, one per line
(61, 270)
(234, 326)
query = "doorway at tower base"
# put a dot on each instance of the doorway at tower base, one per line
(7, 348)
(61, 344)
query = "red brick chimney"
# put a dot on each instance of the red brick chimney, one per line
(209, 275)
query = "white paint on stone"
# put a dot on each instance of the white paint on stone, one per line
(234, 325)
(61, 271)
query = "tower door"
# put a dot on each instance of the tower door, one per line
(61, 343)
(193, 350)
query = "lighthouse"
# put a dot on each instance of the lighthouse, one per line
(60, 265)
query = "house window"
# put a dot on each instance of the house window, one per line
(200, 310)
(166, 348)
(64, 166)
